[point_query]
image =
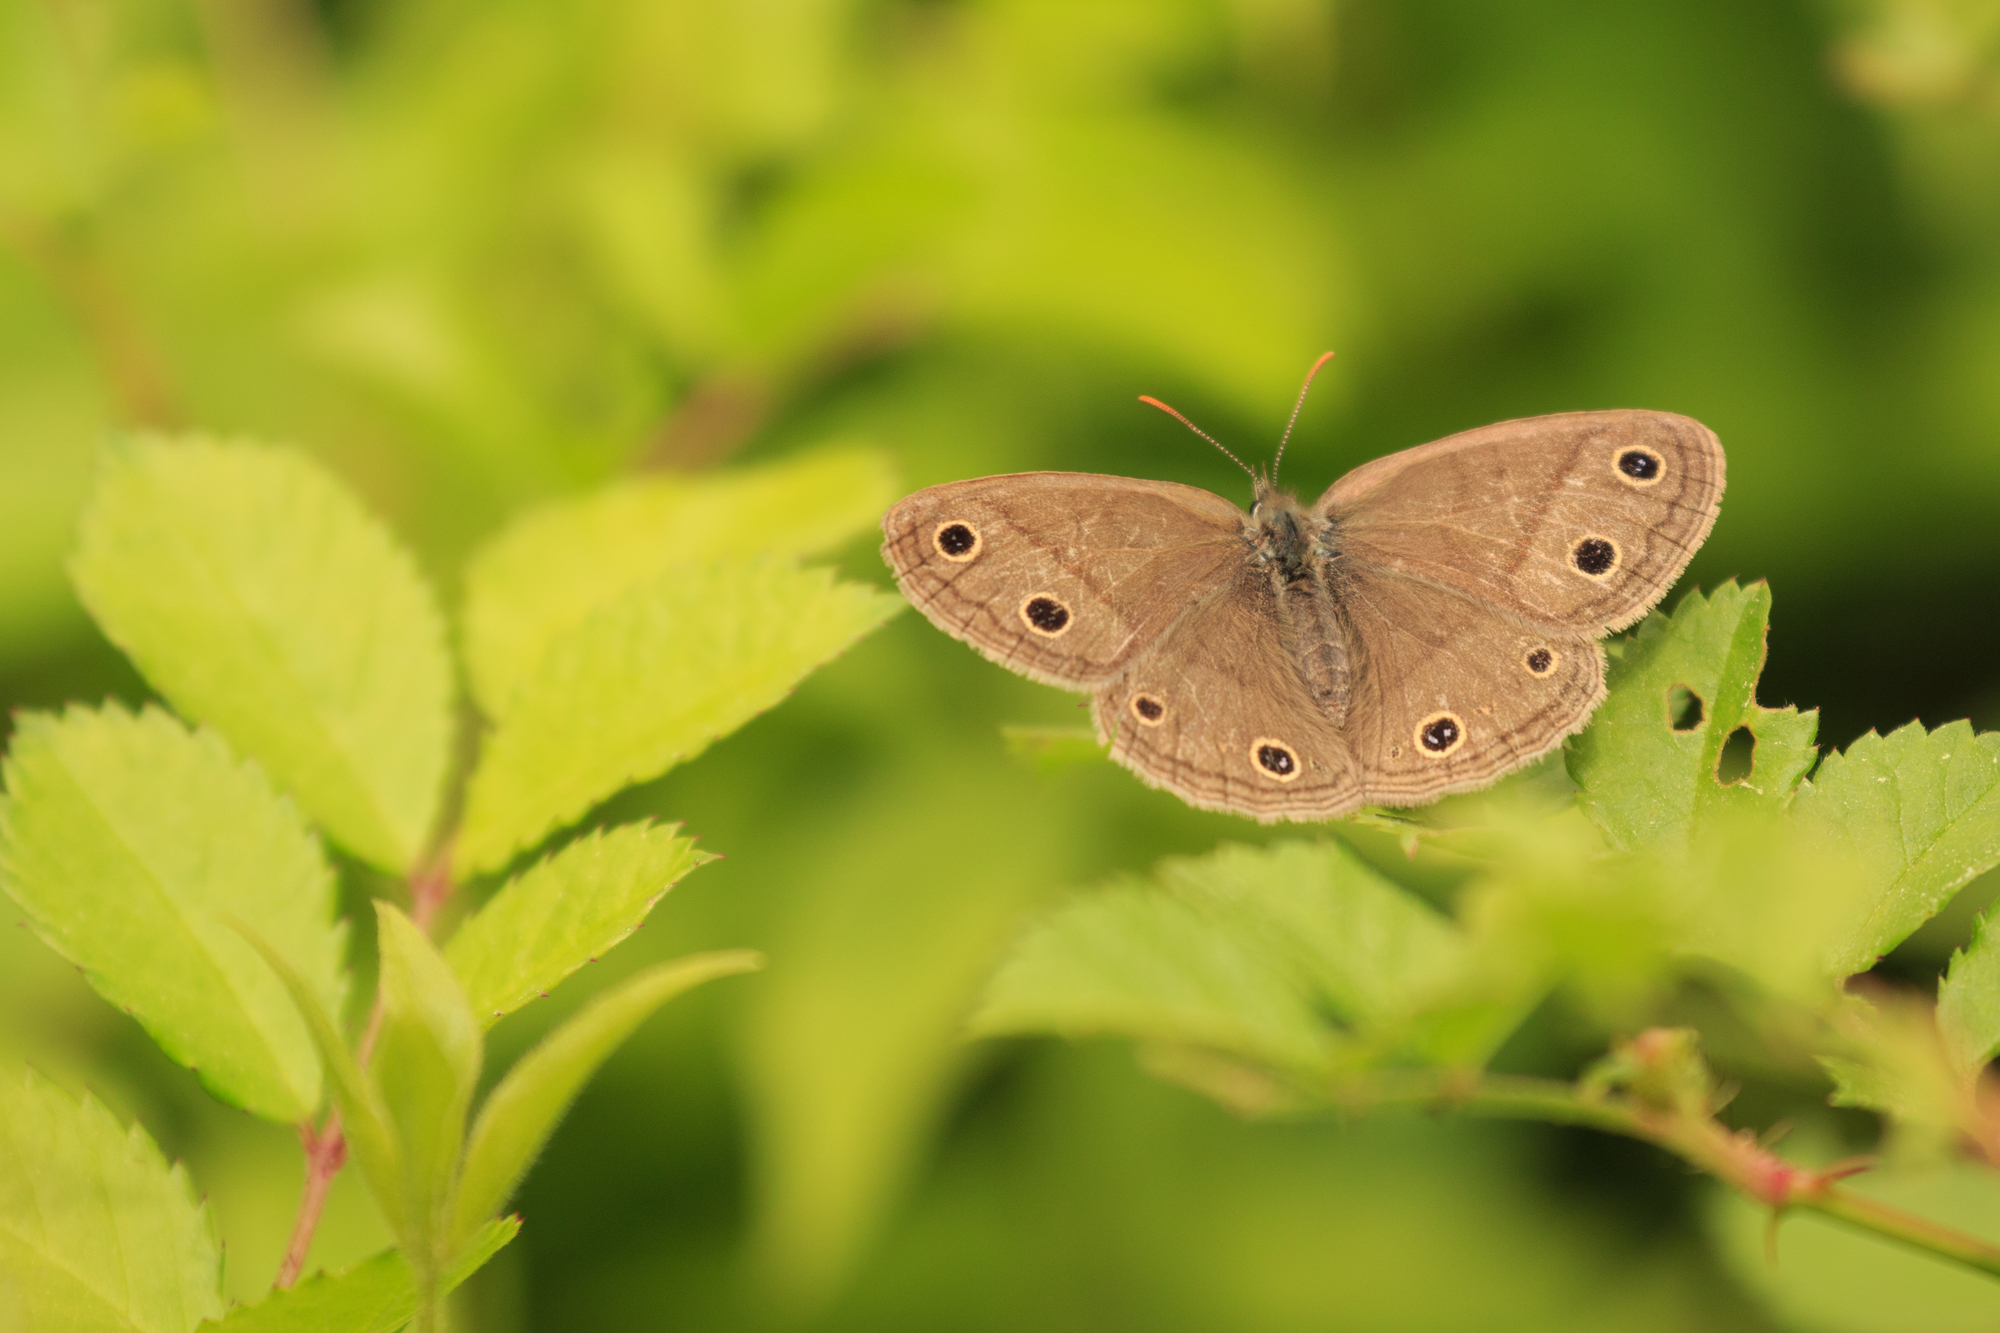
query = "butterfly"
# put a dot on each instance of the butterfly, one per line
(1428, 625)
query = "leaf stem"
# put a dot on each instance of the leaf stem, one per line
(326, 1147)
(1734, 1157)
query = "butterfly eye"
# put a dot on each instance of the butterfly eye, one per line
(1045, 615)
(956, 542)
(1640, 467)
(1275, 758)
(1594, 557)
(1540, 660)
(1148, 709)
(1440, 734)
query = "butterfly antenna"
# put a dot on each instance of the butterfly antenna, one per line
(1296, 407)
(1154, 402)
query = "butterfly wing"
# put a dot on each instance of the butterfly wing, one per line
(1064, 577)
(1218, 714)
(1450, 694)
(1581, 521)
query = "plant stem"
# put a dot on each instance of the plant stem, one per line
(326, 1147)
(1735, 1158)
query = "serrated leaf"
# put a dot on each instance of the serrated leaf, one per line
(259, 597)
(649, 682)
(541, 578)
(529, 1102)
(1968, 1006)
(129, 842)
(1644, 783)
(97, 1232)
(1917, 814)
(567, 910)
(425, 1069)
(379, 1296)
(1893, 1059)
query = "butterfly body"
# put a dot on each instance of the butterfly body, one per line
(1427, 625)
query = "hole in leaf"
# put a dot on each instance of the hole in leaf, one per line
(1738, 757)
(1683, 708)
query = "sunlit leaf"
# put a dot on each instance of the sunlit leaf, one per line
(97, 1232)
(649, 682)
(1918, 814)
(540, 579)
(259, 597)
(565, 911)
(378, 1296)
(1646, 782)
(1893, 1059)
(1968, 1005)
(1248, 950)
(425, 1069)
(524, 1109)
(130, 843)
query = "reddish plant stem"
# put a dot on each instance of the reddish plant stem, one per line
(326, 1147)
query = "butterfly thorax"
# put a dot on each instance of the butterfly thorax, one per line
(1294, 547)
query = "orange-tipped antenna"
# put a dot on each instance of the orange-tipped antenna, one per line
(1154, 402)
(1323, 359)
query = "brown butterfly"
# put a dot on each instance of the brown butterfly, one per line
(1428, 625)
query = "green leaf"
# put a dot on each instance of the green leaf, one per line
(1892, 1058)
(648, 682)
(1968, 1004)
(259, 597)
(540, 579)
(1642, 781)
(127, 840)
(567, 910)
(526, 1106)
(425, 1070)
(1917, 814)
(362, 1118)
(97, 1232)
(379, 1296)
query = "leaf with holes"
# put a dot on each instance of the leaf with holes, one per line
(650, 681)
(1680, 690)
(379, 1296)
(540, 579)
(1918, 814)
(564, 912)
(526, 1105)
(131, 843)
(1249, 951)
(259, 597)
(96, 1230)
(1968, 1004)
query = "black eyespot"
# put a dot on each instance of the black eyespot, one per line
(957, 542)
(1148, 709)
(1440, 734)
(1275, 757)
(1641, 465)
(1045, 615)
(1595, 556)
(1539, 661)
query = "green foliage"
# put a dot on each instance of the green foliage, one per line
(379, 1296)
(131, 842)
(649, 681)
(563, 912)
(541, 578)
(259, 597)
(1968, 1007)
(522, 1110)
(1643, 781)
(97, 1232)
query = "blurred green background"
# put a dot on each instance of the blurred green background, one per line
(477, 254)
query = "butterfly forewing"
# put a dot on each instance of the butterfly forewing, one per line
(1582, 520)
(1064, 577)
